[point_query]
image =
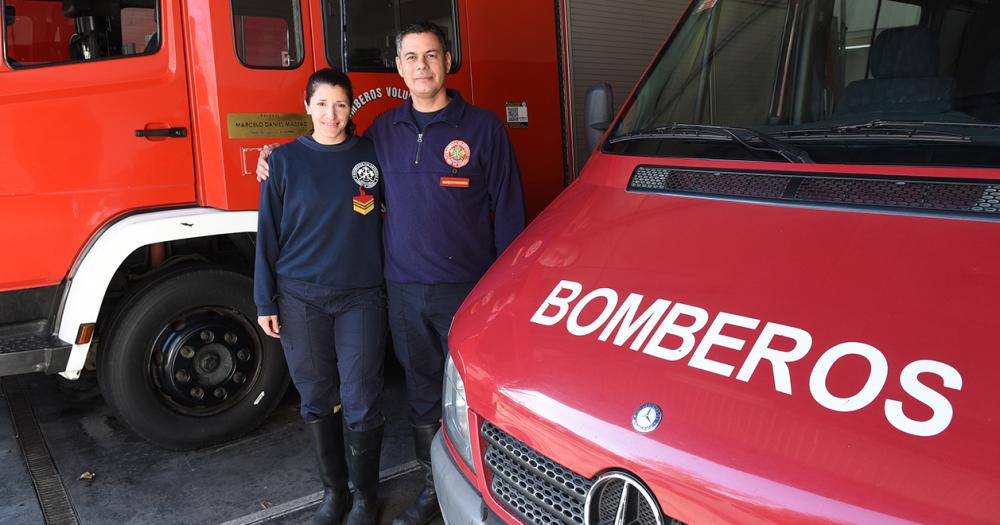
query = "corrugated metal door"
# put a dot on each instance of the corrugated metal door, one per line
(612, 42)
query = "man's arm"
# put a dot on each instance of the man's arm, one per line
(262, 168)
(506, 195)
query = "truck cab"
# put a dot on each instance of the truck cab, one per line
(767, 298)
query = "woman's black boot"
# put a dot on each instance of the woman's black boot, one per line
(328, 439)
(363, 451)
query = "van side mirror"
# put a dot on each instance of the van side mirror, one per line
(8, 15)
(598, 108)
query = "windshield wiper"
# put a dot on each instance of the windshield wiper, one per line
(879, 123)
(886, 129)
(711, 132)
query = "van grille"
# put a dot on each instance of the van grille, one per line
(539, 491)
(533, 487)
(921, 195)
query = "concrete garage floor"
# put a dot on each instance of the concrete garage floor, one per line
(266, 477)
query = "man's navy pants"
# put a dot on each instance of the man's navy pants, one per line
(419, 319)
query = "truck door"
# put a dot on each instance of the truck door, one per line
(248, 91)
(95, 119)
(514, 45)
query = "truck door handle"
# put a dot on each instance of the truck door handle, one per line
(162, 132)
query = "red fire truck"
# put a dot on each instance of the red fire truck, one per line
(769, 297)
(129, 132)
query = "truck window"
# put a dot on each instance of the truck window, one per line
(847, 81)
(371, 28)
(333, 26)
(40, 33)
(862, 23)
(268, 33)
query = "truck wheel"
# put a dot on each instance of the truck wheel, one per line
(185, 364)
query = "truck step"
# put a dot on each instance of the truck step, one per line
(32, 352)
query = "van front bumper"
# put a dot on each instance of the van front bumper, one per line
(461, 503)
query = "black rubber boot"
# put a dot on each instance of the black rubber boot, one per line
(328, 438)
(363, 451)
(425, 508)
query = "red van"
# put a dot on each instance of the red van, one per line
(769, 297)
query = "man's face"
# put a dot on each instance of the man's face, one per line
(423, 64)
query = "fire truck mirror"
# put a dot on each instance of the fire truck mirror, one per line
(598, 108)
(8, 15)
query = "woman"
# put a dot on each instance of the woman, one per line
(318, 283)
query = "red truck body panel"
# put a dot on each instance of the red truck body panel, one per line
(72, 160)
(74, 163)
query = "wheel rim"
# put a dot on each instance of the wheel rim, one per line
(205, 360)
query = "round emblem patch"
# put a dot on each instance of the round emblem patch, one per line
(365, 174)
(647, 417)
(457, 154)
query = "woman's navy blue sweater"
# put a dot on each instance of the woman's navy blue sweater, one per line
(320, 218)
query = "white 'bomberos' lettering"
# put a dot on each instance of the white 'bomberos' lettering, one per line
(779, 359)
(610, 301)
(561, 303)
(630, 324)
(669, 331)
(714, 337)
(867, 394)
(698, 316)
(910, 381)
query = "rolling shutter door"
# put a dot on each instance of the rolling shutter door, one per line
(613, 42)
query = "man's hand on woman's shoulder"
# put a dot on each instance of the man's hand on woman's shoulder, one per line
(265, 152)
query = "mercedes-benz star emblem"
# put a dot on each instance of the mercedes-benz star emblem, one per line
(647, 418)
(619, 499)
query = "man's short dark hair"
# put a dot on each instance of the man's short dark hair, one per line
(422, 27)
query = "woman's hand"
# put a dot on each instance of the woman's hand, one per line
(270, 325)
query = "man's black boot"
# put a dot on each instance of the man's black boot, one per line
(363, 451)
(425, 508)
(328, 439)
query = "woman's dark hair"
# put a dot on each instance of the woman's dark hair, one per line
(330, 77)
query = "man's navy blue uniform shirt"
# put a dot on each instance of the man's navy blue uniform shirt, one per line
(446, 222)
(316, 222)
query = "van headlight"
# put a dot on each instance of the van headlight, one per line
(456, 412)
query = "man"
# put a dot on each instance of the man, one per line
(453, 203)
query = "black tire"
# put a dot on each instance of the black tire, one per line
(185, 364)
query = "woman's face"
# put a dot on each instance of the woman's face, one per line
(330, 110)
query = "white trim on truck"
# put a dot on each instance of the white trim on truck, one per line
(88, 284)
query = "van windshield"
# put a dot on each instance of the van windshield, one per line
(913, 82)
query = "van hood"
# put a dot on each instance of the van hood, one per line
(837, 364)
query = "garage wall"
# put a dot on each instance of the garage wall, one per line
(612, 42)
